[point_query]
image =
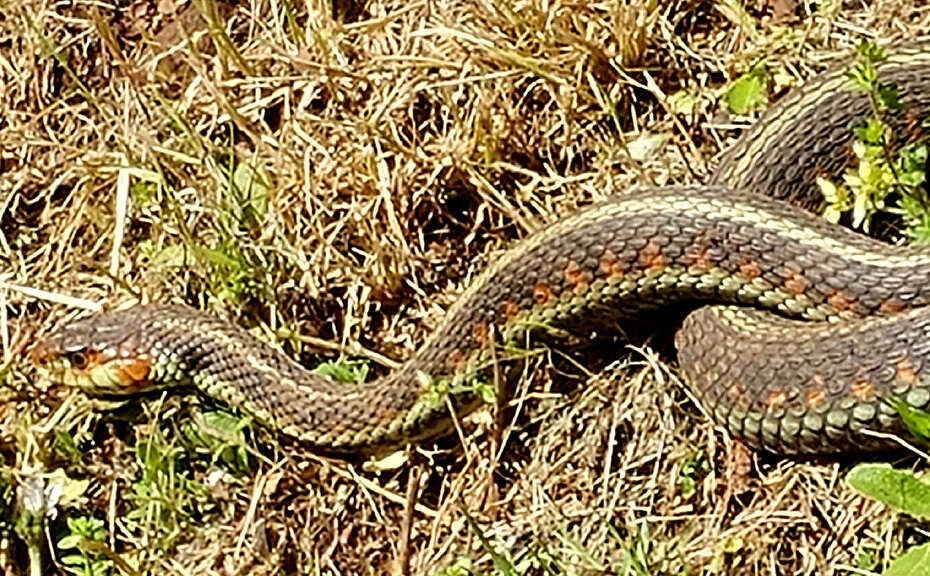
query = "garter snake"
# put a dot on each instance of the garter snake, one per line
(850, 329)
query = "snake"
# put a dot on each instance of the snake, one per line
(803, 336)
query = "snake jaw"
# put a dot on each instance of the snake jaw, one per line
(103, 375)
(133, 374)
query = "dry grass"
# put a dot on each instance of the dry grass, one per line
(400, 144)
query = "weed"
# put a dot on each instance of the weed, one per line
(76, 556)
(882, 170)
(691, 470)
(352, 371)
(165, 502)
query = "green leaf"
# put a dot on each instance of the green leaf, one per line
(914, 561)
(70, 541)
(222, 434)
(870, 51)
(65, 445)
(484, 390)
(862, 72)
(460, 567)
(837, 198)
(436, 388)
(682, 102)
(690, 472)
(911, 163)
(70, 491)
(87, 526)
(143, 193)
(861, 211)
(225, 423)
(73, 560)
(502, 563)
(646, 145)
(871, 132)
(900, 489)
(831, 194)
(215, 257)
(888, 97)
(247, 197)
(915, 420)
(749, 92)
(170, 257)
(866, 558)
(354, 371)
(919, 233)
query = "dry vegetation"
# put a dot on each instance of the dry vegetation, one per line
(332, 176)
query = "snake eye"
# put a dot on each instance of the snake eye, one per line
(80, 359)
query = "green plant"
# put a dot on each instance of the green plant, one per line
(354, 371)
(222, 436)
(78, 557)
(236, 255)
(749, 92)
(165, 500)
(885, 178)
(691, 470)
(503, 564)
(905, 492)
(890, 179)
(459, 567)
(901, 490)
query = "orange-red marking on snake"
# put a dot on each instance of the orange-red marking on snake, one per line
(510, 309)
(697, 257)
(454, 360)
(816, 397)
(737, 395)
(775, 400)
(892, 306)
(862, 389)
(794, 283)
(480, 331)
(650, 257)
(750, 270)
(542, 293)
(913, 124)
(905, 373)
(610, 265)
(840, 302)
(576, 277)
(134, 372)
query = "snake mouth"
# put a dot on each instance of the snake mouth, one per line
(95, 371)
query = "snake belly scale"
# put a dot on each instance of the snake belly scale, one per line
(849, 332)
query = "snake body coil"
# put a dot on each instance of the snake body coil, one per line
(783, 385)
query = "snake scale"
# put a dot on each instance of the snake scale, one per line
(813, 326)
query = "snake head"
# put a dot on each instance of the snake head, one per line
(102, 354)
